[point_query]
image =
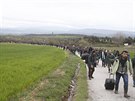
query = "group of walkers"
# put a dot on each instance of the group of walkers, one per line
(116, 62)
(92, 56)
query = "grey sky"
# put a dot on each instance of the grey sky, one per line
(100, 14)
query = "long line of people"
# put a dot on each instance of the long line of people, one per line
(119, 64)
(92, 56)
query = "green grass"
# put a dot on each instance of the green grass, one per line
(81, 93)
(56, 84)
(21, 65)
(59, 81)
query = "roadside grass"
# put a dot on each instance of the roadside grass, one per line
(56, 84)
(81, 93)
(132, 54)
(21, 65)
(59, 80)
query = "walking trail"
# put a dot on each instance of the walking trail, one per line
(97, 90)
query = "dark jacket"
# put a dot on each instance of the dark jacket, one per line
(133, 65)
(92, 60)
(110, 59)
(85, 56)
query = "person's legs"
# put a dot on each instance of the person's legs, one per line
(118, 75)
(89, 72)
(109, 68)
(92, 71)
(134, 80)
(125, 79)
(102, 63)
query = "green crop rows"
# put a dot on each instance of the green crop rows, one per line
(21, 65)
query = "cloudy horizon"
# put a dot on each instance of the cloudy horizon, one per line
(68, 14)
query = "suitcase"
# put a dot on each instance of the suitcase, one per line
(109, 83)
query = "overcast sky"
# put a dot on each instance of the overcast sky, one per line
(100, 14)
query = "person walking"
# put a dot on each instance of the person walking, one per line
(110, 59)
(103, 58)
(121, 67)
(92, 62)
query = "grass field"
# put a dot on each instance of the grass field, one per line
(56, 84)
(21, 65)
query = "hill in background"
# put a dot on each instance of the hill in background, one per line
(58, 30)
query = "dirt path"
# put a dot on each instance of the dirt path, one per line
(97, 90)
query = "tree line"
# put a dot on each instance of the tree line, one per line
(77, 40)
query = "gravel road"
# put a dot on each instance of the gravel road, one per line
(97, 90)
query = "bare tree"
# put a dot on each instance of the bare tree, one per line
(118, 38)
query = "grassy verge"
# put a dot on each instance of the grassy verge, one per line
(38, 73)
(21, 65)
(54, 86)
(81, 93)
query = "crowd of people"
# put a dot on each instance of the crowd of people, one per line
(116, 62)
